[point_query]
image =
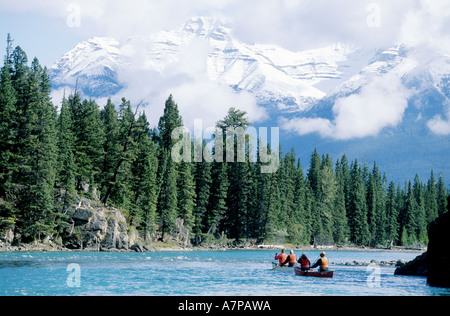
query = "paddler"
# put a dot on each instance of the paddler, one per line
(282, 257)
(305, 264)
(322, 263)
(292, 259)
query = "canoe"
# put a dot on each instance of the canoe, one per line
(316, 274)
(276, 266)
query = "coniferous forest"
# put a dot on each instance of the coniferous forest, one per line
(52, 150)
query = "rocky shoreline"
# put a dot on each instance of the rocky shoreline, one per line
(161, 247)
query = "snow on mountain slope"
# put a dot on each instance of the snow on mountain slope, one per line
(274, 75)
(391, 105)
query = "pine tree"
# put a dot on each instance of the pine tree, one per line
(118, 185)
(376, 207)
(66, 142)
(431, 207)
(421, 223)
(357, 212)
(38, 157)
(8, 124)
(328, 192)
(392, 224)
(314, 174)
(168, 203)
(88, 132)
(112, 148)
(203, 188)
(168, 123)
(340, 225)
(441, 196)
(186, 194)
(218, 197)
(144, 181)
(238, 175)
(410, 221)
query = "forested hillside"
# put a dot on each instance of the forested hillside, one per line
(52, 151)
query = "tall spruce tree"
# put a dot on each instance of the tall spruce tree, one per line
(168, 123)
(37, 171)
(218, 198)
(168, 203)
(186, 194)
(203, 189)
(392, 224)
(441, 196)
(66, 141)
(144, 171)
(357, 212)
(8, 122)
(421, 222)
(238, 175)
(431, 206)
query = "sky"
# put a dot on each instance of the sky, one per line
(49, 28)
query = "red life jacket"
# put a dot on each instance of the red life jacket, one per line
(304, 263)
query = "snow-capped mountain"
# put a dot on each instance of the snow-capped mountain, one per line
(274, 75)
(327, 88)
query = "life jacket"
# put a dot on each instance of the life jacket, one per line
(304, 263)
(324, 264)
(283, 257)
(292, 259)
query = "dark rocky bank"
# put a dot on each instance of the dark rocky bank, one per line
(435, 263)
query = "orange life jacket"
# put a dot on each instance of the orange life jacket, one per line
(324, 264)
(292, 258)
(283, 258)
(305, 263)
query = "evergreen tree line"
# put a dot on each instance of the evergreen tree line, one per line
(49, 156)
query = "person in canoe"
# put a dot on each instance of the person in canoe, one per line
(304, 262)
(282, 258)
(292, 259)
(322, 263)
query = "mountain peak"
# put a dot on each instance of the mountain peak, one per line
(208, 27)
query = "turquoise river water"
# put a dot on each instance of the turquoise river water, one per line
(222, 273)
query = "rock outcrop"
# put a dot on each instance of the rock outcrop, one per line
(433, 264)
(438, 254)
(95, 227)
(417, 267)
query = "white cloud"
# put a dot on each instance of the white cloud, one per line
(440, 126)
(380, 104)
(428, 26)
(293, 24)
(186, 78)
(303, 126)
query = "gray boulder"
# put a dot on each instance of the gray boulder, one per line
(95, 227)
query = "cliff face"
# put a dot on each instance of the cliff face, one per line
(438, 258)
(92, 227)
(95, 227)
